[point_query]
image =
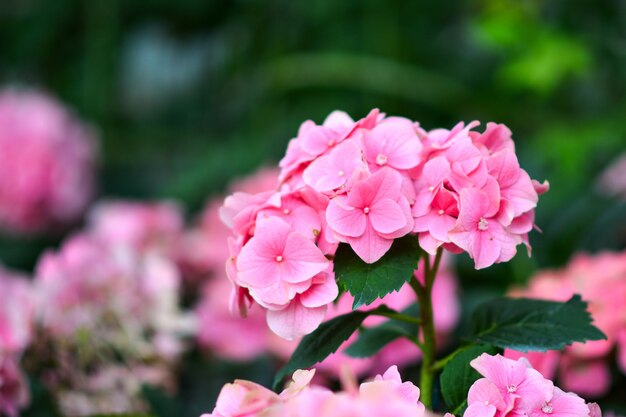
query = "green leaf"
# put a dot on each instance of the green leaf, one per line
(533, 325)
(373, 339)
(367, 282)
(458, 376)
(325, 340)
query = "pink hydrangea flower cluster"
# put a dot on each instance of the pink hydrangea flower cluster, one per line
(46, 161)
(112, 291)
(16, 329)
(514, 388)
(385, 396)
(367, 183)
(601, 280)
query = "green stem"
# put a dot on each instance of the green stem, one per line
(438, 365)
(398, 316)
(424, 294)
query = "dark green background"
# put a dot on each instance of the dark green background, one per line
(188, 94)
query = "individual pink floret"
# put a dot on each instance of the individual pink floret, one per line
(478, 230)
(513, 388)
(518, 385)
(371, 215)
(280, 259)
(394, 143)
(336, 170)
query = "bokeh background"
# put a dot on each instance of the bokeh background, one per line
(186, 95)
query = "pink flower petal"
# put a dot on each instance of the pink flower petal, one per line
(296, 320)
(345, 220)
(386, 216)
(370, 246)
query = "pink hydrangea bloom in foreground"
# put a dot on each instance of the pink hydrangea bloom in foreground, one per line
(366, 183)
(46, 161)
(386, 396)
(585, 368)
(514, 388)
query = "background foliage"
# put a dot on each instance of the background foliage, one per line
(188, 94)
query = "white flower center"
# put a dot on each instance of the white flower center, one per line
(511, 388)
(483, 224)
(431, 188)
(286, 211)
(547, 408)
(279, 258)
(366, 210)
(441, 212)
(331, 143)
(341, 173)
(381, 159)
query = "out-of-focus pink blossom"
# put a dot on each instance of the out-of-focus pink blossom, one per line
(107, 300)
(510, 387)
(17, 307)
(385, 396)
(140, 225)
(601, 281)
(247, 338)
(47, 161)
(14, 394)
(612, 181)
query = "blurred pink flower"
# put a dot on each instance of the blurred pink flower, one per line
(137, 224)
(17, 307)
(119, 307)
(612, 181)
(14, 394)
(47, 163)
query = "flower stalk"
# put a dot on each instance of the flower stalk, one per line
(429, 343)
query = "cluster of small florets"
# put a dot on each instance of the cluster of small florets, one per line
(367, 183)
(111, 291)
(16, 329)
(601, 281)
(514, 388)
(385, 396)
(46, 163)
